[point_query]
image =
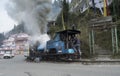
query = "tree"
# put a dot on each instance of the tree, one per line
(115, 9)
(2, 37)
(65, 12)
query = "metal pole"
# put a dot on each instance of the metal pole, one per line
(116, 37)
(112, 32)
(90, 42)
(93, 41)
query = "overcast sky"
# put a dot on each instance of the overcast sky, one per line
(6, 23)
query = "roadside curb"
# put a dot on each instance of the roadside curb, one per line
(97, 61)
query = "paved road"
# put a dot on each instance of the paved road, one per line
(19, 67)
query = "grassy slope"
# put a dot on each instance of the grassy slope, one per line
(102, 38)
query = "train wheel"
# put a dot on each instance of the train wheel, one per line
(32, 58)
(40, 58)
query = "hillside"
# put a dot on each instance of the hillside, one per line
(103, 38)
(2, 37)
(17, 29)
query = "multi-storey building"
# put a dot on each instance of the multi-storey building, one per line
(15, 43)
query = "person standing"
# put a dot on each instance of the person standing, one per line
(74, 27)
(77, 45)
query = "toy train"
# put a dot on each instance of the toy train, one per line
(60, 47)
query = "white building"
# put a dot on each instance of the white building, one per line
(15, 42)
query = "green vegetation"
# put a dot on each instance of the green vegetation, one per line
(2, 37)
(115, 11)
(81, 20)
